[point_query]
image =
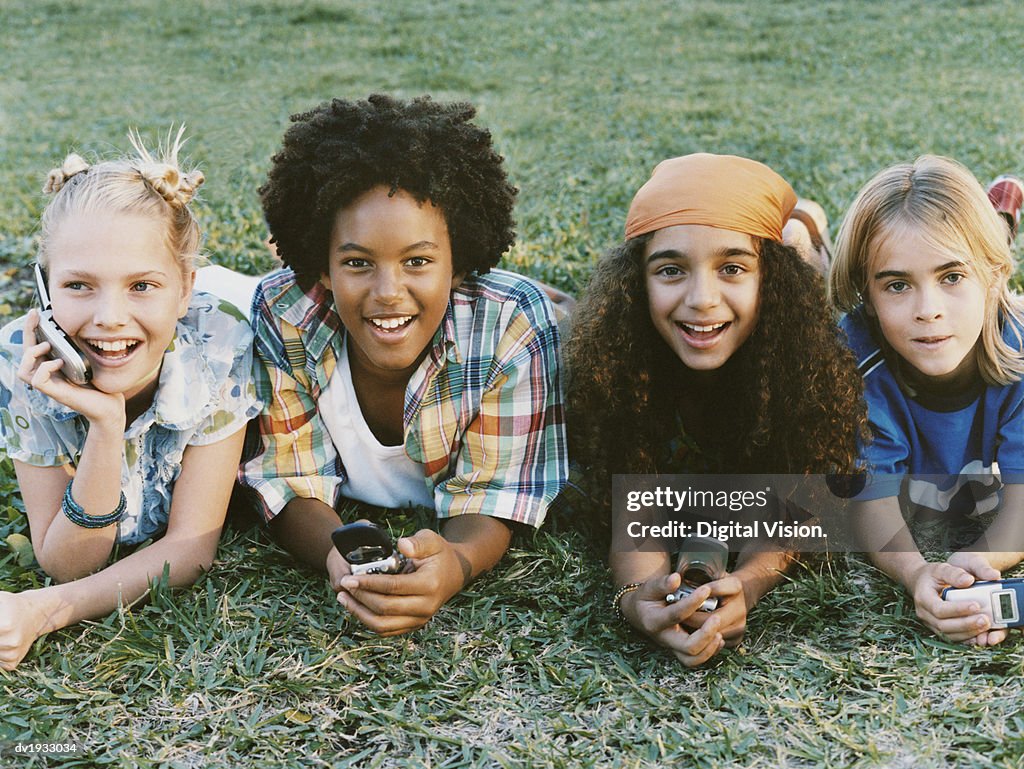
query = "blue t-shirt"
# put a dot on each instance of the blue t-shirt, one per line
(954, 452)
(205, 393)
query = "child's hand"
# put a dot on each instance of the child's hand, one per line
(392, 604)
(337, 568)
(647, 611)
(731, 611)
(37, 371)
(977, 564)
(955, 620)
(19, 627)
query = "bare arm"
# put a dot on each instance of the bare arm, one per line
(479, 542)
(303, 528)
(884, 535)
(200, 501)
(1002, 544)
(64, 550)
(759, 568)
(887, 539)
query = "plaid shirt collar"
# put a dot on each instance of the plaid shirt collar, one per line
(317, 317)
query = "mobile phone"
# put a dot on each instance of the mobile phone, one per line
(369, 550)
(710, 603)
(76, 368)
(1000, 599)
(701, 560)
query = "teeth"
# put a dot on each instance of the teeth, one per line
(390, 323)
(119, 345)
(704, 329)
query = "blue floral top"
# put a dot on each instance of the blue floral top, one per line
(205, 394)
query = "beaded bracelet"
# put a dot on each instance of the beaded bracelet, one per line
(617, 599)
(77, 515)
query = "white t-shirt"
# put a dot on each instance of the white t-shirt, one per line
(377, 474)
(231, 286)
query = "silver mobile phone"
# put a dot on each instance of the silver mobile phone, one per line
(76, 368)
(1000, 599)
(369, 550)
(701, 560)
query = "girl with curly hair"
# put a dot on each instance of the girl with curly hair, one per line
(704, 345)
(397, 366)
(144, 443)
(923, 268)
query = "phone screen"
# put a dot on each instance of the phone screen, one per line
(1007, 607)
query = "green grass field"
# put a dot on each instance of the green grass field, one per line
(256, 666)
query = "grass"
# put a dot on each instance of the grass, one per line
(255, 665)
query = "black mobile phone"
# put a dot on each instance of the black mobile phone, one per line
(76, 366)
(369, 550)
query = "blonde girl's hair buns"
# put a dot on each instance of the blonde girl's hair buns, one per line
(143, 183)
(73, 165)
(163, 175)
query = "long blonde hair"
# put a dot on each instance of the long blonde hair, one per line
(943, 201)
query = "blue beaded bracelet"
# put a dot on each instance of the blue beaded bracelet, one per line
(77, 515)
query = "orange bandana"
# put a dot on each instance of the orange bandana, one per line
(723, 191)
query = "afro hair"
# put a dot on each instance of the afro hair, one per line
(335, 153)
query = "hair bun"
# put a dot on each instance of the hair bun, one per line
(176, 188)
(73, 165)
(164, 175)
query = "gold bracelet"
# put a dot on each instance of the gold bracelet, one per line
(617, 600)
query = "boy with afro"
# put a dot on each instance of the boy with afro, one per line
(397, 367)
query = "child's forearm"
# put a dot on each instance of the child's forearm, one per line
(479, 542)
(886, 539)
(901, 567)
(1000, 561)
(69, 551)
(304, 527)
(1002, 544)
(759, 569)
(635, 566)
(124, 582)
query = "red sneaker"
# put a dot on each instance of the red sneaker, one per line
(1007, 195)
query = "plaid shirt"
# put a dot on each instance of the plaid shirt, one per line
(483, 412)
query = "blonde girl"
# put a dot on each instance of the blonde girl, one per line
(150, 447)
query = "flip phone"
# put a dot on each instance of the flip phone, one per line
(369, 550)
(76, 368)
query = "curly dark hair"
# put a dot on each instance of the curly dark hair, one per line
(335, 153)
(790, 399)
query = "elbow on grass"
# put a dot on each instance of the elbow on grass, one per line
(185, 572)
(60, 570)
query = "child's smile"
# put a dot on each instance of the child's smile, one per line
(391, 329)
(703, 336)
(929, 303)
(118, 292)
(703, 287)
(391, 274)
